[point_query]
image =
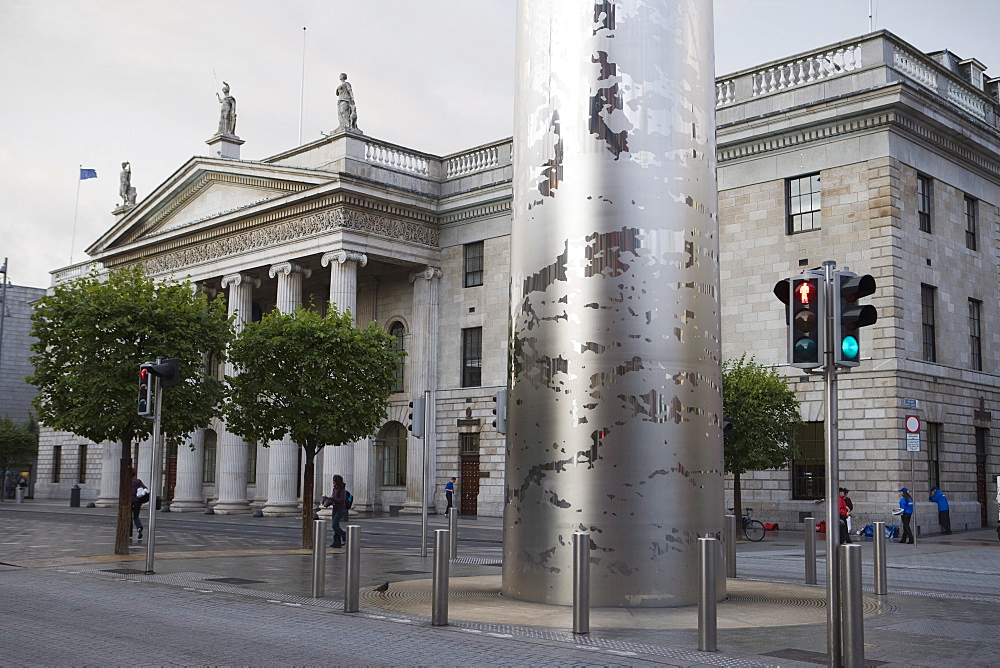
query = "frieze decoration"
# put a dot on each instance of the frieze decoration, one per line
(325, 221)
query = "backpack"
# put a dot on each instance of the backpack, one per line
(350, 501)
(145, 497)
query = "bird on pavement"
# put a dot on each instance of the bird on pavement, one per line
(382, 588)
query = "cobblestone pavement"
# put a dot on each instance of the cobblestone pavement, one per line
(236, 590)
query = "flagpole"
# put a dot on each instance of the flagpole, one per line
(302, 87)
(76, 210)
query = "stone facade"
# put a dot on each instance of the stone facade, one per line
(868, 115)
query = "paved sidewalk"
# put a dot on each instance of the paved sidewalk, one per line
(941, 609)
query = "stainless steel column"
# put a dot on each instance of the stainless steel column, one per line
(319, 558)
(439, 585)
(581, 582)
(810, 529)
(453, 531)
(853, 620)
(881, 582)
(615, 410)
(707, 622)
(730, 538)
(352, 571)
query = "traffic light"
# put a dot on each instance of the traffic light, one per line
(500, 411)
(804, 315)
(145, 390)
(849, 316)
(168, 370)
(417, 417)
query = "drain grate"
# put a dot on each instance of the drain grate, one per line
(233, 581)
(478, 561)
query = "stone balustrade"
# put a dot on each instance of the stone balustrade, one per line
(473, 161)
(76, 271)
(396, 158)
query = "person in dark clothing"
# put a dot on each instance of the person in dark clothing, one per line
(906, 505)
(338, 501)
(850, 509)
(843, 512)
(944, 511)
(449, 493)
(136, 504)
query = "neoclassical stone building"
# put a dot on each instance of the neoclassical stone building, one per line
(866, 152)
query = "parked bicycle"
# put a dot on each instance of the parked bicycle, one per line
(753, 529)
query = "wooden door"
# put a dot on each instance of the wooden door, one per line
(469, 485)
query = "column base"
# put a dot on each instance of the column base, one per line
(186, 506)
(232, 508)
(410, 508)
(281, 510)
(106, 503)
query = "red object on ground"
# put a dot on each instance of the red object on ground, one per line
(821, 526)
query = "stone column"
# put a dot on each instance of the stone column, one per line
(365, 461)
(423, 376)
(283, 469)
(111, 455)
(190, 474)
(143, 462)
(231, 450)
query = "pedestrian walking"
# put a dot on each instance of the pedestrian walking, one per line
(137, 501)
(449, 493)
(906, 505)
(844, 513)
(944, 510)
(338, 501)
(850, 510)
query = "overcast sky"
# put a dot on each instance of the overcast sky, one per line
(98, 82)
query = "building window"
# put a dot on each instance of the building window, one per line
(472, 357)
(803, 195)
(975, 334)
(934, 454)
(397, 331)
(971, 223)
(924, 202)
(81, 465)
(927, 294)
(473, 264)
(808, 467)
(208, 456)
(470, 444)
(391, 446)
(251, 463)
(56, 462)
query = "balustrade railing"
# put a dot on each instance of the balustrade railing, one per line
(914, 67)
(474, 161)
(815, 67)
(961, 97)
(397, 159)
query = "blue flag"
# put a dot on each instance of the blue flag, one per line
(87, 173)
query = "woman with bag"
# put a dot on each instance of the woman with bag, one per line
(906, 505)
(140, 494)
(338, 501)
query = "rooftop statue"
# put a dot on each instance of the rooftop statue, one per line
(347, 111)
(125, 190)
(227, 112)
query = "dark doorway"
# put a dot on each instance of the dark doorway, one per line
(469, 484)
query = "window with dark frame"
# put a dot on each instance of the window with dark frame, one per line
(474, 264)
(809, 466)
(924, 202)
(251, 463)
(934, 454)
(975, 334)
(81, 465)
(397, 332)
(803, 203)
(927, 296)
(971, 223)
(56, 462)
(392, 455)
(472, 357)
(208, 456)
(470, 444)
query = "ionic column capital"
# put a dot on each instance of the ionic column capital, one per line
(341, 256)
(240, 279)
(287, 269)
(426, 273)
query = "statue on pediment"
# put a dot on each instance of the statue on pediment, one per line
(347, 110)
(227, 112)
(125, 190)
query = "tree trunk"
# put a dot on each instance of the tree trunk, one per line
(308, 501)
(737, 503)
(124, 499)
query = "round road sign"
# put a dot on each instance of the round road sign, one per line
(912, 424)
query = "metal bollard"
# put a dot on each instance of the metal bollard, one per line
(74, 497)
(319, 558)
(352, 570)
(581, 582)
(730, 538)
(19, 495)
(810, 529)
(707, 621)
(453, 528)
(881, 582)
(439, 597)
(852, 607)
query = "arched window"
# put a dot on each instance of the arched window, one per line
(391, 447)
(396, 331)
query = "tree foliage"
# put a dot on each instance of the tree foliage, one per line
(18, 446)
(317, 379)
(764, 412)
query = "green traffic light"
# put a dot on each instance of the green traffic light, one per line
(805, 350)
(849, 347)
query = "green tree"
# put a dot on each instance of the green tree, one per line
(764, 412)
(18, 446)
(315, 378)
(92, 335)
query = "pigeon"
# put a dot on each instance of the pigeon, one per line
(382, 588)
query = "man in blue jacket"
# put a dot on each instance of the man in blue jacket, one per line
(944, 512)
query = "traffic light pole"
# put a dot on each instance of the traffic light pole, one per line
(155, 471)
(832, 455)
(424, 485)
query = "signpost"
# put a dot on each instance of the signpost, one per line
(912, 425)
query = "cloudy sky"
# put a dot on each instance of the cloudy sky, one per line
(98, 82)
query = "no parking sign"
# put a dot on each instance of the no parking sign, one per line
(912, 424)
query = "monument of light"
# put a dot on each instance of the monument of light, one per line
(615, 409)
